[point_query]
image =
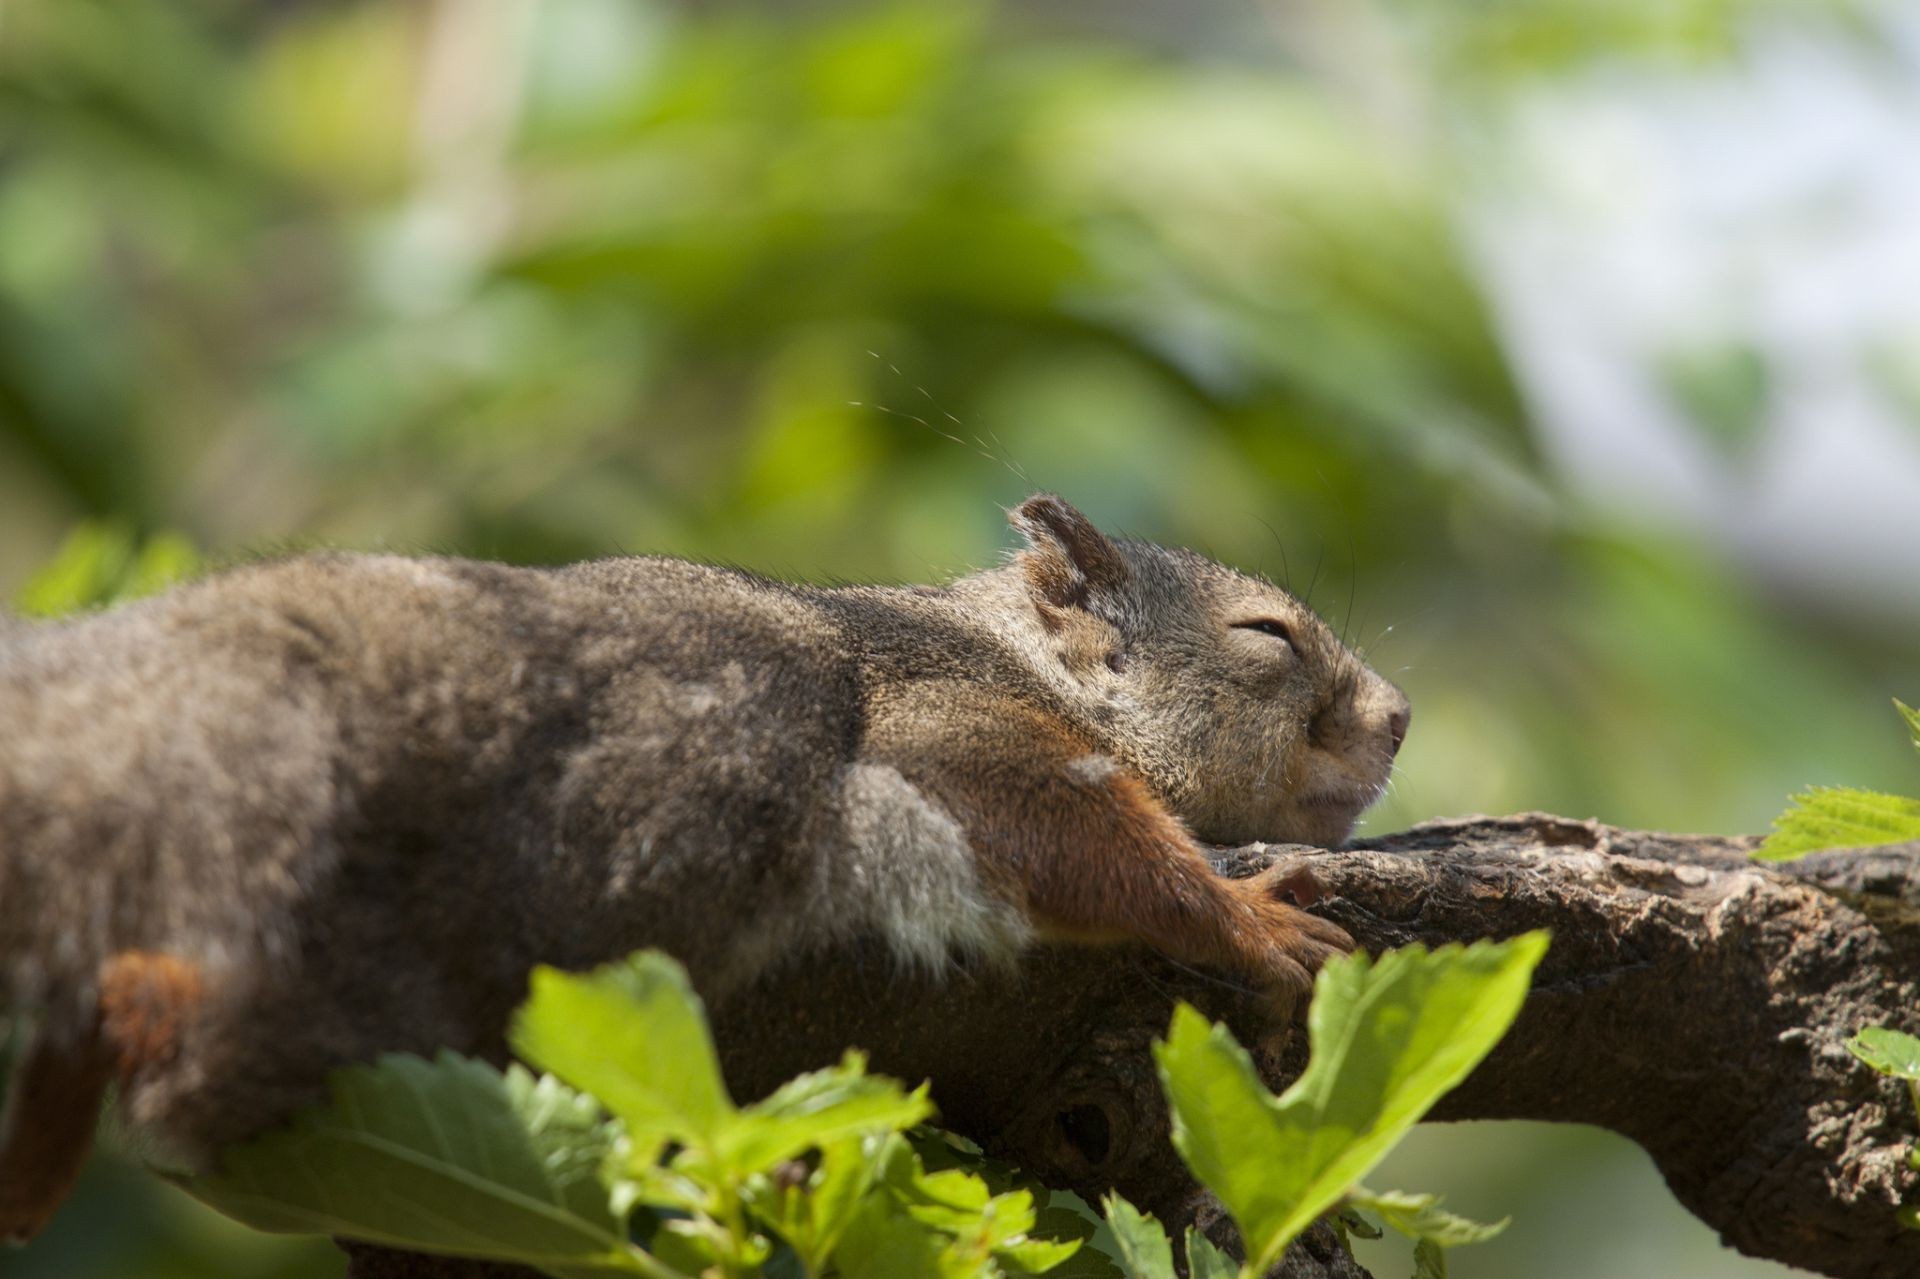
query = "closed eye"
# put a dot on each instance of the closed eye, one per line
(1267, 626)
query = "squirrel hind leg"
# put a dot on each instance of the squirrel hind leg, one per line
(147, 1000)
(53, 1102)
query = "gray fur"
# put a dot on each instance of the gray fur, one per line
(368, 793)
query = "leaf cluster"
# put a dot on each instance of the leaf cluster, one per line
(628, 1156)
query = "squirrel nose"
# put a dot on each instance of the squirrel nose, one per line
(1397, 726)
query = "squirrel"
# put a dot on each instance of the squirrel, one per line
(307, 811)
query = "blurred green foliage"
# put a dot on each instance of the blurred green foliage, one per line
(820, 288)
(99, 564)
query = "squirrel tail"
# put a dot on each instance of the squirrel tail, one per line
(147, 804)
(160, 807)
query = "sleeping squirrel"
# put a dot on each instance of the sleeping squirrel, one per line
(305, 812)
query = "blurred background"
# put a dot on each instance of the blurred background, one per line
(1566, 351)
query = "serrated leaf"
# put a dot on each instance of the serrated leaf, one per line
(1360, 1226)
(1387, 1040)
(1421, 1217)
(814, 1109)
(1091, 1262)
(1145, 1250)
(1826, 817)
(634, 1035)
(960, 1204)
(811, 1217)
(1032, 1256)
(882, 1242)
(1062, 1222)
(1205, 1261)
(1912, 717)
(447, 1156)
(1067, 1217)
(1891, 1052)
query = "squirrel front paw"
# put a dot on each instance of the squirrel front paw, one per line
(1293, 944)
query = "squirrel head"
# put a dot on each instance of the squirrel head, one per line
(1240, 706)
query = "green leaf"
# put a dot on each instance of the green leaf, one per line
(882, 1243)
(960, 1204)
(1387, 1040)
(83, 573)
(816, 1109)
(449, 1156)
(99, 564)
(1359, 1225)
(1091, 1262)
(1912, 717)
(811, 1217)
(1065, 1217)
(1145, 1250)
(1839, 817)
(1889, 1051)
(164, 559)
(635, 1036)
(1064, 1226)
(1420, 1217)
(1033, 1256)
(1429, 1260)
(1204, 1261)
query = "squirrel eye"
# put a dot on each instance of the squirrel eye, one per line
(1267, 626)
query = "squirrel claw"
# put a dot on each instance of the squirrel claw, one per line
(1293, 882)
(1293, 887)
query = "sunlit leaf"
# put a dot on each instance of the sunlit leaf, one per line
(1145, 1250)
(1205, 1261)
(812, 1215)
(447, 1156)
(83, 573)
(1387, 1040)
(817, 1108)
(1912, 717)
(635, 1036)
(1420, 1217)
(162, 560)
(880, 1243)
(1826, 817)
(1891, 1052)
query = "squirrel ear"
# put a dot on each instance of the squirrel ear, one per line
(1069, 559)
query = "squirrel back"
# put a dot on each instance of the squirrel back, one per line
(305, 812)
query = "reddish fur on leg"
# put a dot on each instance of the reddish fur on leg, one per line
(146, 1000)
(1153, 881)
(1084, 846)
(53, 1103)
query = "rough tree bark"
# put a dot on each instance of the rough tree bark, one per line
(1692, 1000)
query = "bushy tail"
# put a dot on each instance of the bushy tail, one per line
(152, 799)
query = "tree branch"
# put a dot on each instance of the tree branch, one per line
(1693, 1000)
